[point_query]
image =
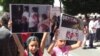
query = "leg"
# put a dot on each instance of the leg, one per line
(96, 39)
(98, 34)
(91, 40)
(84, 41)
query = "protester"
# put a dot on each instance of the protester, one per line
(33, 48)
(8, 46)
(54, 25)
(97, 27)
(58, 47)
(85, 31)
(92, 32)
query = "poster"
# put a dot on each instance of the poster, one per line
(69, 28)
(30, 18)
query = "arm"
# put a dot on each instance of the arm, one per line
(53, 43)
(20, 47)
(42, 44)
(77, 45)
(51, 47)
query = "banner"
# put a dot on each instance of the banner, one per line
(30, 18)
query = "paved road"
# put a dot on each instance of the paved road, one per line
(87, 52)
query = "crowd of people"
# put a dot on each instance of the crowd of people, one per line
(91, 30)
(12, 44)
(33, 44)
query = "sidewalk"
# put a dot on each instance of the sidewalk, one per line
(87, 52)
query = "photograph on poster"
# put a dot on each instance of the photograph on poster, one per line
(30, 18)
(69, 21)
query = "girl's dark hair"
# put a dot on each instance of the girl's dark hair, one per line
(32, 38)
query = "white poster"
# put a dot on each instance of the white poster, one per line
(69, 28)
(30, 17)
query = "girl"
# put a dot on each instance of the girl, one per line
(33, 45)
(85, 32)
(58, 47)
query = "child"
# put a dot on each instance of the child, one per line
(33, 45)
(59, 48)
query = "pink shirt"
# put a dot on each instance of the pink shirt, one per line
(60, 51)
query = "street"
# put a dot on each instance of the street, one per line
(87, 52)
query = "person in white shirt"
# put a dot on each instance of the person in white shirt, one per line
(97, 26)
(92, 32)
(85, 32)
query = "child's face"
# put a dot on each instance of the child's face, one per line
(33, 46)
(61, 43)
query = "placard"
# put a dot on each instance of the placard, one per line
(69, 28)
(30, 18)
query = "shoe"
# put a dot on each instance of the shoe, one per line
(85, 45)
(92, 47)
(84, 48)
(96, 40)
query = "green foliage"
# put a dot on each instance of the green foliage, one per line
(6, 3)
(74, 7)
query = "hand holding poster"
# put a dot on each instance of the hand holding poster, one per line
(69, 28)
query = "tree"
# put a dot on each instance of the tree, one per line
(6, 3)
(74, 7)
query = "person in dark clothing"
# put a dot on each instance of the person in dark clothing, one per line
(7, 43)
(54, 25)
(97, 26)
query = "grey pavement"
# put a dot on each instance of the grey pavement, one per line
(87, 52)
